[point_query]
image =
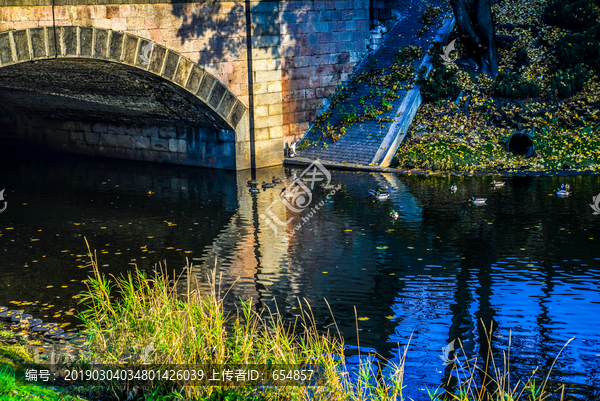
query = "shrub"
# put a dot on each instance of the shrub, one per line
(567, 83)
(509, 84)
(577, 48)
(570, 14)
(442, 83)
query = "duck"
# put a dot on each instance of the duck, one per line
(565, 187)
(562, 192)
(477, 201)
(327, 186)
(266, 185)
(277, 180)
(253, 181)
(497, 184)
(453, 188)
(254, 190)
(381, 196)
(394, 215)
(374, 191)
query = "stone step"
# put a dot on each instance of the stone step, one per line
(375, 142)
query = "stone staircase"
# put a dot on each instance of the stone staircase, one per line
(374, 142)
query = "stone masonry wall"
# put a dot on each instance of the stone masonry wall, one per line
(302, 49)
(160, 144)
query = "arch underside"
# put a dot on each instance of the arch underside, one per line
(68, 76)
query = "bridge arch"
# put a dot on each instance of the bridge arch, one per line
(18, 46)
(220, 138)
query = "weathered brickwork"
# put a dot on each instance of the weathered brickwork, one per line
(301, 50)
(161, 144)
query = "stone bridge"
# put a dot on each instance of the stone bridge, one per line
(223, 84)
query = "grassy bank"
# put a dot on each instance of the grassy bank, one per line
(548, 83)
(141, 321)
(15, 358)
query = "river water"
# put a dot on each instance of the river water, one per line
(527, 260)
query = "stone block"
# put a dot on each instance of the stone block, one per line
(130, 49)
(76, 137)
(5, 49)
(195, 78)
(100, 43)
(238, 112)
(266, 99)
(116, 46)
(92, 138)
(21, 45)
(85, 41)
(269, 152)
(69, 40)
(276, 132)
(109, 140)
(158, 57)
(267, 76)
(124, 141)
(226, 105)
(261, 134)
(150, 131)
(167, 132)
(183, 71)
(159, 144)
(216, 95)
(206, 87)
(38, 42)
(141, 142)
(170, 64)
(177, 145)
(100, 127)
(116, 129)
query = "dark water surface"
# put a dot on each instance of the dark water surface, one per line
(528, 261)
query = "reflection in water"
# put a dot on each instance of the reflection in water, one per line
(527, 261)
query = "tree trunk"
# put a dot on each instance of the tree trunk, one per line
(479, 39)
(485, 29)
(465, 26)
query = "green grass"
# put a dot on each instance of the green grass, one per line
(14, 358)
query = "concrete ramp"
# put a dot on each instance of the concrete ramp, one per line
(374, 142)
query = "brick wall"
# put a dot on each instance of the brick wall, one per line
(161, 144)
(321, 42)
(301, 49)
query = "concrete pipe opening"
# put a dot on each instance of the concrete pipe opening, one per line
(521, 144)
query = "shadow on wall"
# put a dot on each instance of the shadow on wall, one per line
(224, 28)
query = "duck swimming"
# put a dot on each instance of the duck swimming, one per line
(497, 184)
(394, 215)
(477, 201)
(381, 196)
(453, 188)
(562, 192)
(254, 190)
(253, 181)
(266, 185)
